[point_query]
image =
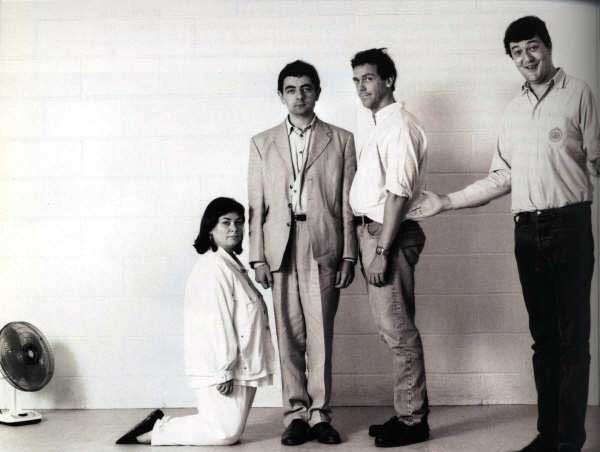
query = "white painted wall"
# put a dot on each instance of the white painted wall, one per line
(121, 119)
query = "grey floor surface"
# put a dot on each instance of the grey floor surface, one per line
(454, 429)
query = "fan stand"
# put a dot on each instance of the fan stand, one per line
(15, 416)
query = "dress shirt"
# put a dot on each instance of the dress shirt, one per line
(543, 149)
(391, 157)
(299, 147)
(226, 328)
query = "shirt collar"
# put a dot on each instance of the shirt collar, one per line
(291, 127)
(558, 80)
(387, 111)
(228, 258)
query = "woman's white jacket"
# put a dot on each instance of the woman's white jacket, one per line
(226, 327)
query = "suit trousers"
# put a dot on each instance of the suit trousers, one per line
(393, 309)
(305, 302)
(220, 421)
(554, 249)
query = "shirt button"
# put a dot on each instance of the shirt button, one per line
(291, 186)
(290, 205)
(288, 224)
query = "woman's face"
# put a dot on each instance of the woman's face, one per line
(229, 231)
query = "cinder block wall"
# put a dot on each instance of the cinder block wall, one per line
(121, 119)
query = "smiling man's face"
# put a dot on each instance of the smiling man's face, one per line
(533, 60)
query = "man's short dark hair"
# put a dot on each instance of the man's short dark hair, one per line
(216, 208)
(380, 59)
(524, 29)
(299, 68)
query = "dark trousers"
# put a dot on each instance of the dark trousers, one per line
(554, 249)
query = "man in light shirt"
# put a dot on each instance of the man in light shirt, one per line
(303, 245)
(390, 170)
(548, 146)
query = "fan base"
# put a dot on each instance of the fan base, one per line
(23, 417)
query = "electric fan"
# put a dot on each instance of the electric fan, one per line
(27, 364)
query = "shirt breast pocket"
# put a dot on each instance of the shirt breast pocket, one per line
(563, 136)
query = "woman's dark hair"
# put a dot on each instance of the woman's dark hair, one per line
(216, 208)
(380, 59)
(299, 68)
(526, 28)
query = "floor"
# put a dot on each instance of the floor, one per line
(458, 428)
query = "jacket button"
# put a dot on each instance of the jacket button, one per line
(288, 224)
(290, 205)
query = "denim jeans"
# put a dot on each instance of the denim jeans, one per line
(554, 249)
(393, 309)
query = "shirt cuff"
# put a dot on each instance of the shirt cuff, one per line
(255, 264)
(398, 190)
(350, 259)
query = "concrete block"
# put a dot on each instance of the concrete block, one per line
(94, 118)
(122, 158)
(99, 197)
(33, 81)
(362, 390)
(40, 158)
(509, 387)
(492, 273)
(152, 277)
(354, 315)
(360, 354)
(208, 76)
(17, 33)
(449, 153)
(469, 314)
(21, 118)
(478, 353)
(467, 234)
(41, 237)
(72, 38)
(454, 388)
(124, 76)
(193, 8)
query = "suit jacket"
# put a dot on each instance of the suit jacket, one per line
(328, 175)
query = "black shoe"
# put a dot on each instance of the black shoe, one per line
(143, 427)
(377, 429)
(539, 444)
(298, 432)
(325, 433)
(397, 433)
(567, 447)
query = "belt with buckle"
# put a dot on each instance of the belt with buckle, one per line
(362, 220)
(547, 214)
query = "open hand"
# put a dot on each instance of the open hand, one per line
(376, 270)
(428, 204)
(263, 276)
(344, 275)
(225, 388)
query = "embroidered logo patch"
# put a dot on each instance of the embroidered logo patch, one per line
(555, 134)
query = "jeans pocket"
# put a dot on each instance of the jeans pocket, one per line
(412, 253)
(374, 229)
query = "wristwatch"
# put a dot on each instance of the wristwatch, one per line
(381, 251)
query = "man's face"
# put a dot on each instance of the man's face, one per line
(370, 87)
(533, 60)
(299, 95)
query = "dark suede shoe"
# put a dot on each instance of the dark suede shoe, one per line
(397, 433)
(377, 429)
(143, 427)
(298, 432)
(325, 433)
(539, 444)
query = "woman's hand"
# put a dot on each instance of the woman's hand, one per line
(225, 388)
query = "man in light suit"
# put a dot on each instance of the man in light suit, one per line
(303, 245)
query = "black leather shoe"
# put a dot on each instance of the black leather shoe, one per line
(143, 427)
(539, 444)
(298, 432)
(397, 433)
(377, 429)
(325, 433)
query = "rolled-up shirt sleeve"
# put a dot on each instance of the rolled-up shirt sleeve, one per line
(211, 339)
(590, 125)
(403, 155)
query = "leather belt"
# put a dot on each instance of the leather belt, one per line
(548, 214)
(362, 220)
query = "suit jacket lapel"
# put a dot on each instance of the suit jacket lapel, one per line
(282, 143)
(321, 136)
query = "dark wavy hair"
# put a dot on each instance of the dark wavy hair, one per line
(216, 208)
(299, 68)
(526, 28)
(380, 59)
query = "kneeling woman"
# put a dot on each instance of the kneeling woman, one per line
(228, 348)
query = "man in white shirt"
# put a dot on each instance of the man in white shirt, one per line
(390, 170)
(548, 147)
